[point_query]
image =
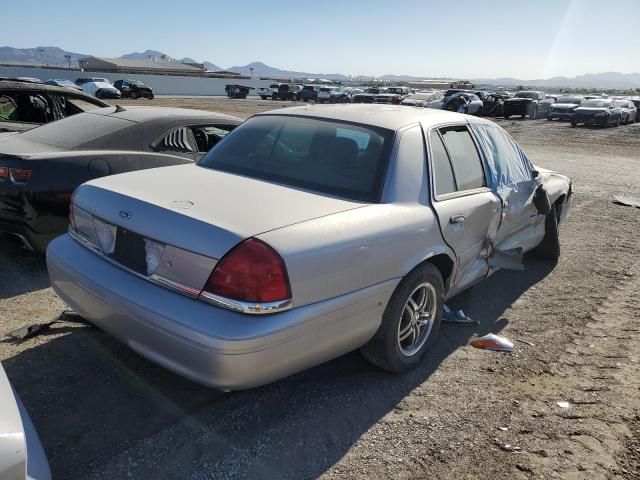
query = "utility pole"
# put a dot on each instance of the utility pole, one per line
(68, 57)
(251, 69)
(41, 51)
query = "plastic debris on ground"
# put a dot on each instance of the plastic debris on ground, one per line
(457, 316)
(492, 342)
(30, 331)
(564, 404)
(626, 201)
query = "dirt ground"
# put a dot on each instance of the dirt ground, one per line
(104, 412)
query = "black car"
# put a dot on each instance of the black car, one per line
(40, 168)
(25, 105)
(235, 91)
(564, 107)
(286, 92)
(308, 92)
(493, 104)
(134, 89)
(597, 111)
(528, 103)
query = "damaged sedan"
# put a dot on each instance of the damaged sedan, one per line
(40, 169)
(307, 233)
(26, 105)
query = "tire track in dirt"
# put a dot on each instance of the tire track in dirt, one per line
(599, 376)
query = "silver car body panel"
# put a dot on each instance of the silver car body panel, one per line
(344, 258)
(21, 454)
(208, 344)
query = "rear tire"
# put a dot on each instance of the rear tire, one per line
(386, 349)
(549, 248)
(274, 96)
(263, 97)
(134, 95)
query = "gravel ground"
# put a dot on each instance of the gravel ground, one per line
(104, 412)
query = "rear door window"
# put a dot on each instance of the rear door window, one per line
(466, 163)
(444, 182)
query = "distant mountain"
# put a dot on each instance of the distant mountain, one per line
(53, 56)
(154, 53)
(212, 67)
(589, 80)
(262, 70)
(144, 55)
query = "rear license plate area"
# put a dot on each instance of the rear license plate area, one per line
(130, 251)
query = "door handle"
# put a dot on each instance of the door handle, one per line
(457, 219)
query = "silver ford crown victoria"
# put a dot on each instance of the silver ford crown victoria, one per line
(306, 233)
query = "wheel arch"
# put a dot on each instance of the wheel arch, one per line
(443, 261)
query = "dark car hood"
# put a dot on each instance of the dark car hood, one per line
(565, 105)
(590, 111)
(519, 100)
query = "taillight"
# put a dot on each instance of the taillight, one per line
(4, 173)
(251, 272)
(19, 175)
(72, 217)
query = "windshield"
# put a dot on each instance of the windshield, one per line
(596, 103)
(333, 158)
(137, 83)
(532, 95)
(394, 90)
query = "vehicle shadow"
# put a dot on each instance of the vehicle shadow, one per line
(102, 411)
(21, 270)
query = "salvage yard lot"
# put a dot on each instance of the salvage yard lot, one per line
(104, 412)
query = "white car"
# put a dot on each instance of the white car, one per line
(324, 94)
(101, 90)
(21, 454)
(428, 99)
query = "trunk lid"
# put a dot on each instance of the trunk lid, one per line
(199, 209)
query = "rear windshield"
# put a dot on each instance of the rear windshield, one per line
(334, 158)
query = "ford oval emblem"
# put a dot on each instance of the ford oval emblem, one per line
(124, 215)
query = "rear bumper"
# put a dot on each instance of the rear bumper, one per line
(561, 115)
(210, 345)
(518, 108)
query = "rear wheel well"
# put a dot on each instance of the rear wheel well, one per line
(443, 263)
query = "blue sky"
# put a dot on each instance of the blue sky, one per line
(463, 38)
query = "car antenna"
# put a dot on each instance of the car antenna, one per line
(119, 109)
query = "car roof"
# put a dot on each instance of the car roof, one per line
(142, 113)
(32, 86)
(391, 117)
(10, 86)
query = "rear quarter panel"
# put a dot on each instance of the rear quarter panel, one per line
(352, 250)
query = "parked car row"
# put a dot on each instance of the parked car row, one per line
(100, 87)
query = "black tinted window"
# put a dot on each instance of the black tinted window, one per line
(336, 158)
(442, 173)
(467, 167)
